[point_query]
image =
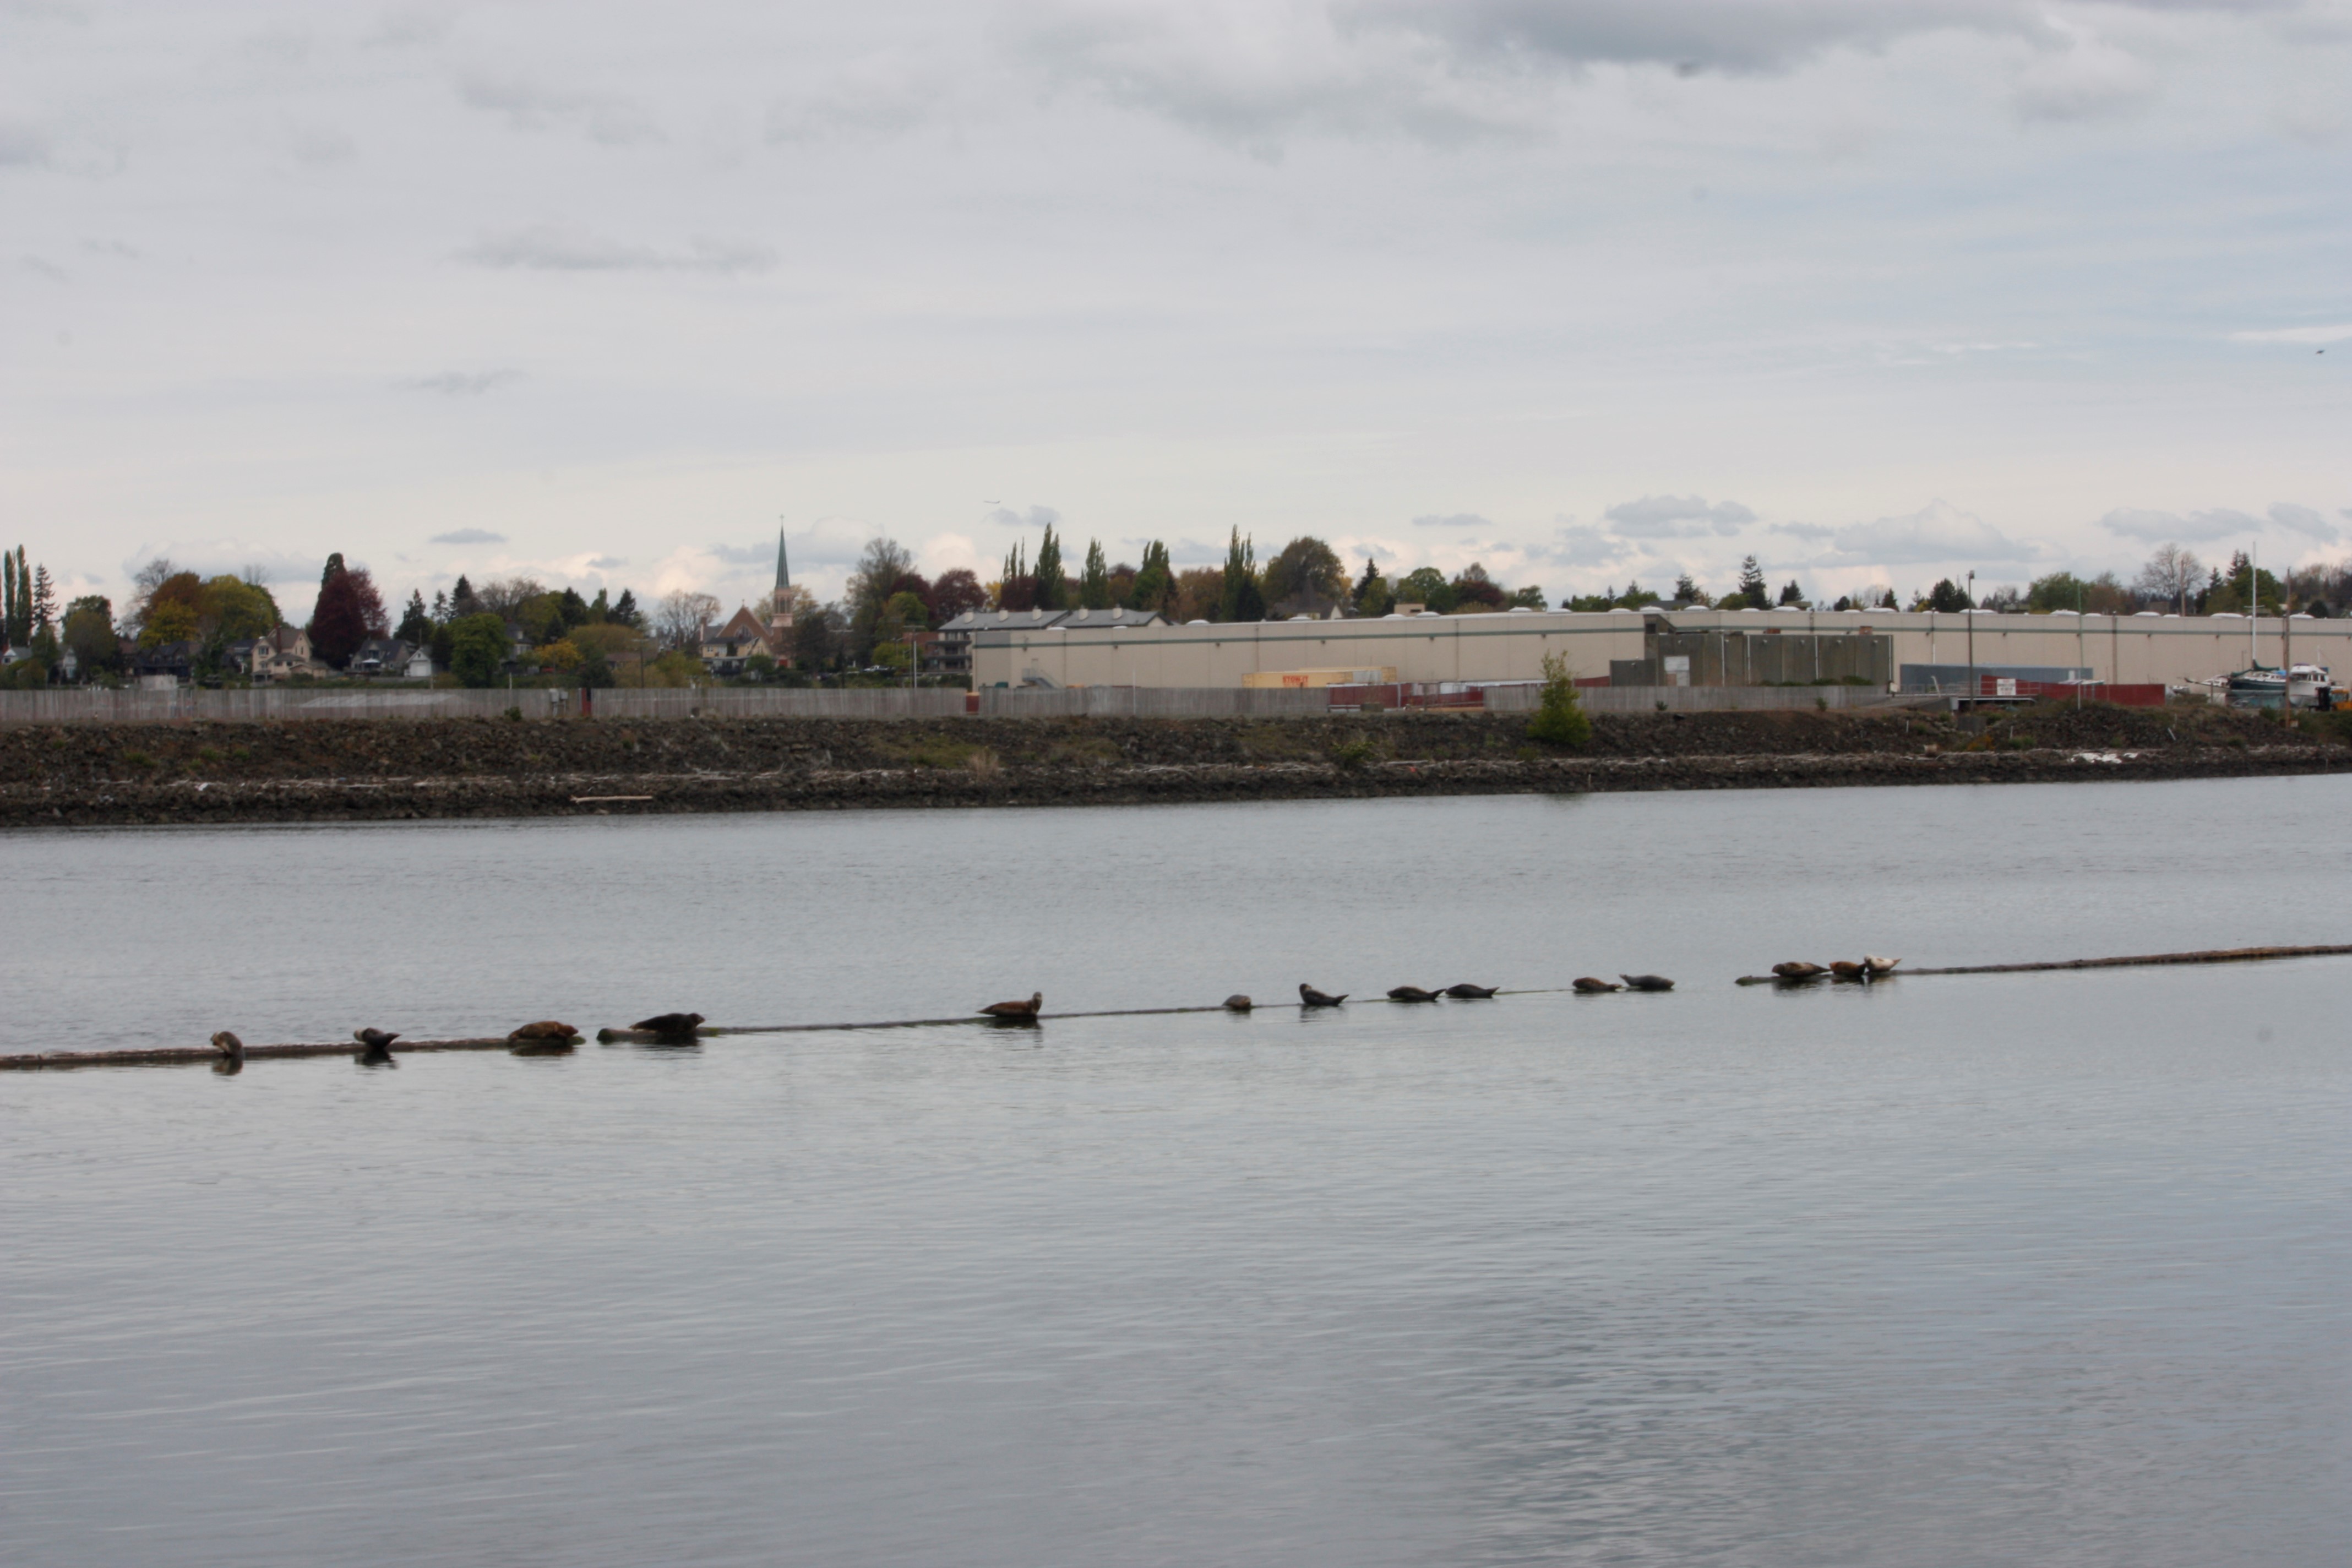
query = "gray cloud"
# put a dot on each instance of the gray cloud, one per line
(1454, 519)
(45, 268)
(1937, 532)
(469, 536)
(605, 116)
(607, 563)
(464, 383)
(1811, 532)
(23, 145)
(745, 554)
(1677, 516)
(2167, 527)
(878, 94)
(553, 247)
(1037, 517)
(2330, 334)
(2303, 520)
(322, 146)
(1583, 545)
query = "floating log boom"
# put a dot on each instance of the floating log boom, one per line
(2138, 960)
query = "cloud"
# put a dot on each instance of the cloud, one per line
(1938, 531)
(2165, 527)
(1677, 516)
(1454, 519)
(876, 96)
(604, 117)
(469, 536)
(2303, 520)
(44, 267)
(1583, 546)
(555, 247)
(2083, 81)
(2334, 335)
(464, 383)
(322, 146)
(1037, 517)
(23, 145)
(1811, 532)
(744, 554)
(607, 563)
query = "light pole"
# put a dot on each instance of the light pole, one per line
(1970, 611)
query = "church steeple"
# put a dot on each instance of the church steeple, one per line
(780, 607)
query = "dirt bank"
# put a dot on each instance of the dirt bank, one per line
(330, 770)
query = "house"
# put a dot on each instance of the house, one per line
(725, 648)
(164, 666)
(380, 655)
(284, 654)
(420, 663)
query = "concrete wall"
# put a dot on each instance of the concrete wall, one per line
(2125, 650)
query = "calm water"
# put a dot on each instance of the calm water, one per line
(1952, 1271)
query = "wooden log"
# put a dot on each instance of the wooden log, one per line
(188, 1055)
(2137, 961)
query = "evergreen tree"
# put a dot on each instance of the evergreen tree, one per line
(1155, 582)
(462, 600)
(334, 569)
(45, 600)
(571, 609)
(415, 625)
(440, 606)
(599, 612)
(1050, 595)
(7, 600)
(1093, 583)
(1686, 591)
(1243, 600)
(20, 619)
(624, 612)
(1751, 584)
(1791, 593)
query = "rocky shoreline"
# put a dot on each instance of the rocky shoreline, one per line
(383, 771)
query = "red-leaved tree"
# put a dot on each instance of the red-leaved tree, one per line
(348, 612)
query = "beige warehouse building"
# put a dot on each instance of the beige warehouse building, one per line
(2170, 650)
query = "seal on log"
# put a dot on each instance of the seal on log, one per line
(1237, 1003)
(547, 1037)
(1647, 982)
(375, 1046)
(1586, 986)
(1468, 993)
(1310, 998)
(677, 1023)
(1410, 993)
(1878, 967)
(1797, 973)
(1015, 1010)
(232, 1053)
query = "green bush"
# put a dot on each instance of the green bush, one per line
(1560, 719)
(1353, 755)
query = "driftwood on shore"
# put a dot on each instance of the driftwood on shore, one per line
(2139, 961)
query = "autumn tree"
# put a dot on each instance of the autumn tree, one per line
(957, 593)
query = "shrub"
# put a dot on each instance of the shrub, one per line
(1353, 755)
(1560, 719)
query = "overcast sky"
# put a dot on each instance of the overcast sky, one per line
(1582, 289)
